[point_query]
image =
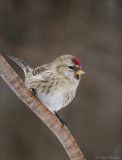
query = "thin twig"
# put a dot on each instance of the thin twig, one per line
(62, 132)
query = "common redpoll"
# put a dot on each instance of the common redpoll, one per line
(54, 83)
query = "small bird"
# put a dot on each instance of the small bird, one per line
(55, 83)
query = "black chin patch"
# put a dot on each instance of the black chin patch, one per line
(77, 76)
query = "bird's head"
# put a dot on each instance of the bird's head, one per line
(69, 66)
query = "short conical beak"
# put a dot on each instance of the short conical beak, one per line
(79, 71)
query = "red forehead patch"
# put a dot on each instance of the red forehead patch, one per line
(76, 61)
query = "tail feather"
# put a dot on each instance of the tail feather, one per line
(26, 68)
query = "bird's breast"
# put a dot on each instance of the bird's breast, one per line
(57, 99)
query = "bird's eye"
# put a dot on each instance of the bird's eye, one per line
(71, 67)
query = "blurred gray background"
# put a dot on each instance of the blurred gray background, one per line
(39, 31)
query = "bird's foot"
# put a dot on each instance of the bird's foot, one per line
(33, 90)
(64, 123)
(60, 119)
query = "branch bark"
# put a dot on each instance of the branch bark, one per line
(62, 132)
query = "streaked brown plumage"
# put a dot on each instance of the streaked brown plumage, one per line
(54, 83)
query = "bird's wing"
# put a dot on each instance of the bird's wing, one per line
(40, 73)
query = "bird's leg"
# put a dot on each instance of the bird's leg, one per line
(33, 90)
(61, 120)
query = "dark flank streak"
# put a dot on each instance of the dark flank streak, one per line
(49, 86)
(48, 89)
(44, 87)
(56, 83)
(44, 81)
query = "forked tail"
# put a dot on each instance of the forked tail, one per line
(26, 68)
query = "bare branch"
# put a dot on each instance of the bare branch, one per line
(62, 132)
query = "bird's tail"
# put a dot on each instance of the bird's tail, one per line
(26, 68)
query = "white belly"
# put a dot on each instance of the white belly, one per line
(56, 99)
(53, 102)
